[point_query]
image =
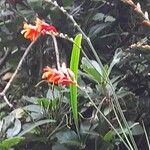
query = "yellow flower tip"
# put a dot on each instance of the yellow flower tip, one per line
(23, 31)
(38, 20)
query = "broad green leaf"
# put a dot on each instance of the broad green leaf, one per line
(8, 143)
(92, 68)
(36, 124)
(68, 137)
(74, 67)
(36, 112)
(101, 16)
(137, 130)
(96, 29)
(33, 108)
(15, 129)
(65, 136)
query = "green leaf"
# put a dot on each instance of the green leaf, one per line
(137, 130)
(8, 143)
(48, 103)
(35, 3)
(93, 69)
(59, 146)
(11, 132)
(109, 136)
(68, 137)
(107, 110)
(2, 105)
(74, 67)
(96, 29)
(36, 124)
(101, 17)
(116, 59)
(65, 136)
(43, 101)
(68, 3)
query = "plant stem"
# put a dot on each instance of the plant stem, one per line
(148, 143)
(116, 102)
(56, 51)
(121, 126)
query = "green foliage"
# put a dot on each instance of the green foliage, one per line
(41, 116)
(9, 143)
(34, 125)
(74, 67)
(98, 74)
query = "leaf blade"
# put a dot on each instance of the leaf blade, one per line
(74, 67)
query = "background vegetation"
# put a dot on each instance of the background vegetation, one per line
(115, 95)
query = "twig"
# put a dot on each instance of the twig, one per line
(147, 138)
(56, 51)
(3, 93)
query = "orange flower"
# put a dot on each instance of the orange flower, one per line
(64, 76)
(31, 32)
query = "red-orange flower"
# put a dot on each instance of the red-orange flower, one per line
(31, 32)
(63, 76)
(44, 27)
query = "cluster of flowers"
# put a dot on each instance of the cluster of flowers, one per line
(61, 76)
(31, 32)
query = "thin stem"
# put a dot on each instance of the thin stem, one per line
(148, 143)
(56, 51)
(121, 126)
(116, 102)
